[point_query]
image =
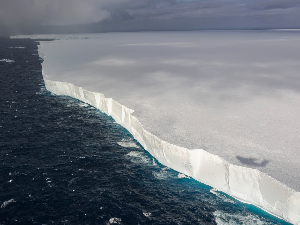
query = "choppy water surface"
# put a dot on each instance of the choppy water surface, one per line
(64, 162)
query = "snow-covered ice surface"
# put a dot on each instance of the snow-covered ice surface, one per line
(234, 94)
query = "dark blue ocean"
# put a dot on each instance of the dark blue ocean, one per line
(65, 162)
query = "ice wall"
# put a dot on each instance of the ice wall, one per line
(245, 184)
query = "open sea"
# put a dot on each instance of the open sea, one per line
(64, 162)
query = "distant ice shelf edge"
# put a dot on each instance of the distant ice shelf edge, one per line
(245, 184)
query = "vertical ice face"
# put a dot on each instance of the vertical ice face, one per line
(244, 184)
(209, 169)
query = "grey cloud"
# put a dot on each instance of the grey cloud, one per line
(273, 4)
(127, 15)
(19, 14)
(226, 14)
(214, 8)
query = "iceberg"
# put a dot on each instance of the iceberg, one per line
(184, 84)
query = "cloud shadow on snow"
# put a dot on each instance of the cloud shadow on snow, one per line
(253, 161)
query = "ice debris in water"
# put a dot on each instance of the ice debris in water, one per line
(181, 175)
(222, 218)
(6, 203)
(7, 60)
(147, 214)
(114, 220)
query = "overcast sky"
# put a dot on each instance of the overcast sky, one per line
(178, 14)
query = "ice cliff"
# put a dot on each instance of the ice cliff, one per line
(245, 184)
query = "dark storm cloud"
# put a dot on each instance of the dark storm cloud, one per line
(152, 14)
(273, 4)
(217, 8)
(224, 14)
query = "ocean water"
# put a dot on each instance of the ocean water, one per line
(64, 162)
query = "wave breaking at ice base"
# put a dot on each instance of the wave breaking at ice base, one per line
(245, 184)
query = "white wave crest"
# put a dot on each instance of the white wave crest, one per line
(7, 60)
(222, 218)
(128, 144)
(6, 203)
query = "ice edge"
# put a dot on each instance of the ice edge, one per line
(244, 184)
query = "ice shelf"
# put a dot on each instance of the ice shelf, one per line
(245, 184)
(234, 94)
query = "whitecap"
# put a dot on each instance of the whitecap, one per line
(6, 203)
(221, 196)
(115, 220)
(161, 175)
(84, 105)
(7, 60)
(147, 214)
(181, 175)
(223, 218)
(128, 144)
(139, 157)
(135, 154)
